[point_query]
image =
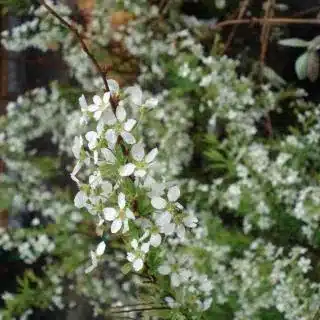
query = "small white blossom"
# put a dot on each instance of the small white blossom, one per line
(137, 256)
(119, 217)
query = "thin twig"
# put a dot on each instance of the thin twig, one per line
(83, 45)
(243, 7)
(271, 21)
(265, 32)
(304, 12)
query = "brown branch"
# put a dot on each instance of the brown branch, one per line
(243, 7)
(265, 32)
(83, 45)
(271, 21)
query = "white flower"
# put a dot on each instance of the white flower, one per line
(121, 128)
(137, 256)
(170, 267)
(142, 161)
(164, 221)
(173, 195)
(100, 105)
(120, 218)
(172, 219)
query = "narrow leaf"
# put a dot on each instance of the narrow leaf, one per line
(294, 42)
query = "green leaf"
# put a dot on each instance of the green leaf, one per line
(215, 156)
(301, 66)
(273, 77)
(294, 42)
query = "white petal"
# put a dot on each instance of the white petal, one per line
(129, 124)
(80, 199)
(128, 137)
(91, 136)
(164, 218)
(97, 100)
(75, 170)
(131, 256)
(83, 103)
(127, 170)
(100, 248)
(181, 231)
(108, 155)
(121, 200)
(151, 103)
(173, 194)
(76, 148)
(110, 214)
(129, 214)
(137, 151)
(106, 187)
(111, 136)
(158, 203)
(137, 264)
(164, 269)
(134, 244)
(135, 95)
(207, 304)
(97, 115)
(168, 228)
(121, 113)
(151, 155)
(113, 86)
(140, 173)
(190, 221)
(155, 239)
(93, 107)
(175, 281)
(109, 118)
(100, 127)
(116, 225)
(106, 98)
(145, 247)
(125, 226)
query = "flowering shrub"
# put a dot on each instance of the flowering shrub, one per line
(188, 197)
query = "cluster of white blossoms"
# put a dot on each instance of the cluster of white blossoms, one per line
(121, 190)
